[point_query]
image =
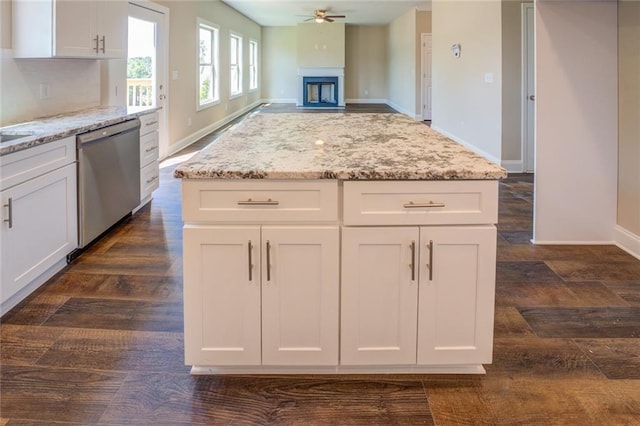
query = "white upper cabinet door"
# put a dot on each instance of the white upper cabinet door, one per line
(75, 33)
(457, 286)
(379, 296)
(222, 298)
(112, 23)
(300, 295)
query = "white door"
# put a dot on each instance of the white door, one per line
(147, 63)
(426, 76)
(457, 286)
(528, 89)
(300, 295)
(222, 298)
(379, 296)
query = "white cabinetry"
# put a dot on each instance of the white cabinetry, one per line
(39, 216)
(70, 29)
(257, 292)
(149, 164)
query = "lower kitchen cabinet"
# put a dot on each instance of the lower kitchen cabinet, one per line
(417, 295)
(39, 227)
(261, 295)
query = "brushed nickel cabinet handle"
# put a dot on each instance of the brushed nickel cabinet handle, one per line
(9, 207)
(151, 149)
(413, 260)
(104, 44)
(97, 49)
(152, 179)
(412, 205)
(268, 260)
(151, 123)
(250, 202)
(250, 261)
(430, 260)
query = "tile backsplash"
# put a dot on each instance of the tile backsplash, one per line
(32, 88)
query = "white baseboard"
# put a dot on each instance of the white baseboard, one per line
(466, 144)
(627, 241)
(513, 166)
(279, 101)
(367, 101)
(404, 111)
(195, 136)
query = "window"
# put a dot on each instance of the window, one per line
(253, 65)
(235, 60)
(208, 81)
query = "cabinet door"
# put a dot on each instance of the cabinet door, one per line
(222, 295)
(300, 295)
(75, 31)
(43, 227)
(379, 296)
(455, 323)
(112, 23)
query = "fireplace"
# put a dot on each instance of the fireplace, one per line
(320, 92)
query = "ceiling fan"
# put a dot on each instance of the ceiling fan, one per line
(320, 16)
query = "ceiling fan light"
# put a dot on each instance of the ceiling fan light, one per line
(319, 20)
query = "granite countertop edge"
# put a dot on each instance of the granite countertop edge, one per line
(49, 129)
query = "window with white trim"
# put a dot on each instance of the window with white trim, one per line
(208, 53)
(253, 65)
(235, 62)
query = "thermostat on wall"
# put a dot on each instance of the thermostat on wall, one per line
(455, 48)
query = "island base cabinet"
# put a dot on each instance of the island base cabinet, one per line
(261, 295)
(417, 295)
(39, 227)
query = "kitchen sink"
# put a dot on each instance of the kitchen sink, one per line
(8, 137)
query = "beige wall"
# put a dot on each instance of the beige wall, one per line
(629, 116)
(279, 64)
(402, 63)
(183, 58)
(511, 80)
(365, 76)
(576, 121)
(423, 25)
(465, 107)
(321, 45)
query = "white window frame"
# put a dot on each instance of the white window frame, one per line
(215, 64)
(254, 77)
(237, 68)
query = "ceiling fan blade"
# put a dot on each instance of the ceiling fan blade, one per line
(326, 18)
(335, 16)
(310, 19)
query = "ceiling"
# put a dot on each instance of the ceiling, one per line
(276, 13)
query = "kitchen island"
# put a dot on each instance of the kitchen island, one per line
(338, 243)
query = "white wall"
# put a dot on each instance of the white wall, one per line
(401, 50)
(321, 45)
(576, 121)
(365, 72)
(466, 107)
(279, 64)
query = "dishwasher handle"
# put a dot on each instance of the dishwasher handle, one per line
(109, 131)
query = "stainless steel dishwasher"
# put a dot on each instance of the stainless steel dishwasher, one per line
(108, 178)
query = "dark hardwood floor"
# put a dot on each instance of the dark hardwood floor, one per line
(102, 342)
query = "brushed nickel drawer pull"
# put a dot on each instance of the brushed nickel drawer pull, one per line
(250, 261)
(413, 260)
(151, 123)
(430, 265)
(152, 179)
(151, 149)
(251, 202)
(9, 207)
(412, 205)
(268, 260)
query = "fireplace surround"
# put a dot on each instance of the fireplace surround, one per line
(320, 87)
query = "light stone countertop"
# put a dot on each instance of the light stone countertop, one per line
(49, 129)
(346, 146)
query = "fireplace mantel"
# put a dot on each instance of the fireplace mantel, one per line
(320, 72)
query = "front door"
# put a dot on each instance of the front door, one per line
(147, 63)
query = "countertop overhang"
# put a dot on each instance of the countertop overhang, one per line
(344, 146)
(48, 129)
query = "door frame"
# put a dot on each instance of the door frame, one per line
(526, 32)
(163, 65)
(423, 95)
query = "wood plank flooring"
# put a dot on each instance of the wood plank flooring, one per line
(102, 342)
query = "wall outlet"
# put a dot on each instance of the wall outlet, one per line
(174, 75)
(189, 122)
(44, 91)
(366, 93)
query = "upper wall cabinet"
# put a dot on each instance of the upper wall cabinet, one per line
(69, 29)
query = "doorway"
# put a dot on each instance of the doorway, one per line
(426, 76)
(528, 88)
(147, 63)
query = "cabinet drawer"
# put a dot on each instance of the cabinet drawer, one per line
(148, 148)
(420, 202)
(32, 162)
(149, 179)
(243, 201)
(148, 123)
